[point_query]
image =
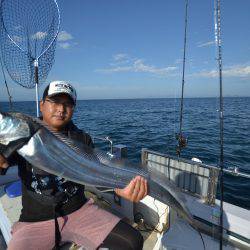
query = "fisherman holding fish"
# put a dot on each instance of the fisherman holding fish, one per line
(55, 210)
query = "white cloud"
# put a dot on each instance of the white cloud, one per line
(65, 45)
(200, 45)
(135, 65)
(232, 71)
(119, 57)
(39, 35)
(208, 74)
(64, 36)
(139, 66)
(64, 40)
(238, 71)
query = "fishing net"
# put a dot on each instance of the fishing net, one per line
(28, 31)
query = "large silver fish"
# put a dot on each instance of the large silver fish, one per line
(58, 155)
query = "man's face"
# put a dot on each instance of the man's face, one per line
(57, 111)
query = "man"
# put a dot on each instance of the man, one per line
(55, 210)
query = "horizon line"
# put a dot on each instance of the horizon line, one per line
(138, 98)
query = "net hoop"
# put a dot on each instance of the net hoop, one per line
(16, 44)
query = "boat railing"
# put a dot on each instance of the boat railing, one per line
(195, 178)
(236, 172)
(106, 139)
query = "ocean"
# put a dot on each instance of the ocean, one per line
(153, 123)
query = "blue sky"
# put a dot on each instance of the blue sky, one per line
(134, 49)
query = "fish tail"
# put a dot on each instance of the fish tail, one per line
(165, 191)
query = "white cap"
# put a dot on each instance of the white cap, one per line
(60, 87)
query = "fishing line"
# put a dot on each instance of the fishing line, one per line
(175, 120)
(159, 217)
(6, 85)
(203, 243)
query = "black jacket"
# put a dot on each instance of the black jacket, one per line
(41, 190)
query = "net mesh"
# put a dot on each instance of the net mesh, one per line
(28, 31)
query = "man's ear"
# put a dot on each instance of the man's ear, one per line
(41, 105)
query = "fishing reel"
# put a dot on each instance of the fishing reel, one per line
(182, 142)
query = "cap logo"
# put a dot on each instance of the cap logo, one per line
(62, 85)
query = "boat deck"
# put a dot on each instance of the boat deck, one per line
(179, 236)
(10, 209)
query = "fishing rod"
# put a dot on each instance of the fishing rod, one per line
(217, 22)
(6, 85)
(182, 140)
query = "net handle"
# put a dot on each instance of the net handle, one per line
(37, 92)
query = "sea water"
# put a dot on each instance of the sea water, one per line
(153, 124)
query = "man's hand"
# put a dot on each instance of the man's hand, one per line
(136, 190)
(3, 162)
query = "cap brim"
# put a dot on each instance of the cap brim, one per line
(55, 94)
